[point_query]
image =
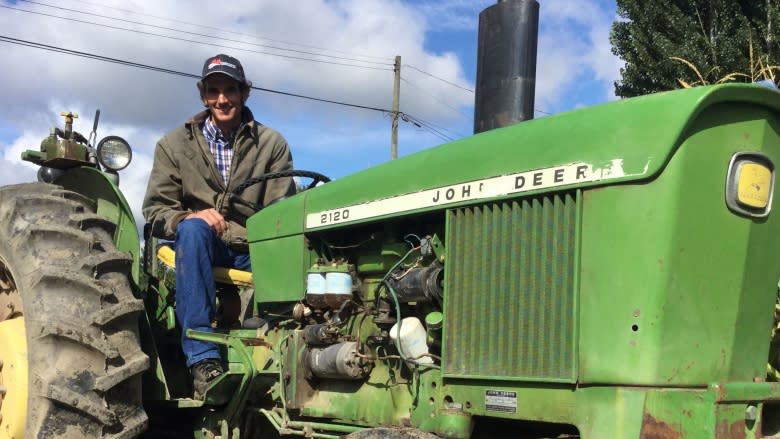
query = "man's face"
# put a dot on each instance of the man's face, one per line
(224, 99)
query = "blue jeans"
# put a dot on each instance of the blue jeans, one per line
(198, 249)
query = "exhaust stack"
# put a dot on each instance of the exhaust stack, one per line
(506, 64)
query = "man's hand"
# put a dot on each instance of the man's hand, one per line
(214, 219)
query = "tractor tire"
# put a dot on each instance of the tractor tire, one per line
(61, 273)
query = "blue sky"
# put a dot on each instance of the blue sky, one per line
(574, 68)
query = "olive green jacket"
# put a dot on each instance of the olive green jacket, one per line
(185, 179)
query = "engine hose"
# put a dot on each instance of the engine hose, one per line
(397, 340)
(383, 283)
(76, 136)
(394, 296)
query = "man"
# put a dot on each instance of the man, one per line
(188, 199)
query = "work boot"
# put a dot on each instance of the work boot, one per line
(203, 373)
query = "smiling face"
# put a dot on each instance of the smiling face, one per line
(225, 99)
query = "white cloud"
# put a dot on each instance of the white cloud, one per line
(453, 15)
(13, 169)
(575, 53)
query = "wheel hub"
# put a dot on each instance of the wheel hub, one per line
(13, 379)
(13, 359)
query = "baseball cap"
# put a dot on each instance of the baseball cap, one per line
(223, 64)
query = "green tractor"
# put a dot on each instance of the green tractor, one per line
(609, 272)
(608, 278)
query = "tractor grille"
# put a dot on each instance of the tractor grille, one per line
(509, 299)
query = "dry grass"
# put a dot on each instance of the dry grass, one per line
(759, 70)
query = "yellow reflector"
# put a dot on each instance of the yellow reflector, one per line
(754, 184)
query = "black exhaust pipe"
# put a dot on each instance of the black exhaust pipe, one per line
(506, 64)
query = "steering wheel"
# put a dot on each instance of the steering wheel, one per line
(316, 178)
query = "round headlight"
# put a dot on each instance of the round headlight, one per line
(114, 153)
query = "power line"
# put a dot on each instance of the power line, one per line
(231, 40)
(440, 79)
(427, 125)
(164, 70)
(406, 117)
(202, 35)
(423, 91)
(196, 42)
(445, 104)
(32, 44)
(236, 41)
(232, 32)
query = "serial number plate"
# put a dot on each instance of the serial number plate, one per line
(501, 401)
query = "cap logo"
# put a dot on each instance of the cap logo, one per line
(218, 62)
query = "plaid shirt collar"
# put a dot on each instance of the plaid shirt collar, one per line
(221, 146)
(213, 134)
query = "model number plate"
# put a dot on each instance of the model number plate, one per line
(501, 401)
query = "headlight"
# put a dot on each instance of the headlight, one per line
(114, 153)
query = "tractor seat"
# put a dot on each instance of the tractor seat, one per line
(222, 275)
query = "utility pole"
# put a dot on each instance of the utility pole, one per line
(396, 98)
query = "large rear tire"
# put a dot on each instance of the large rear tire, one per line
(61, 273)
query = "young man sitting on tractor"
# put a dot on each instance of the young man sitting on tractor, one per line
(197, 167)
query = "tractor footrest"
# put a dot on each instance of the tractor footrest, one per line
(223, 388)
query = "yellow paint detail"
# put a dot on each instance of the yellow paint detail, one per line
(222, 275)
(753, 185)
(13, 377)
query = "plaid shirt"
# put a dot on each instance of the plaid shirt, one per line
(221, 147)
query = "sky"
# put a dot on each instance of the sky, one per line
(337, 50)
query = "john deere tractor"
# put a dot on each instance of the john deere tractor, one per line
(610, 272)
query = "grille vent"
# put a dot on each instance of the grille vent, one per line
(510, 308)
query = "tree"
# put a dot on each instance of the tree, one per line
(711, 38)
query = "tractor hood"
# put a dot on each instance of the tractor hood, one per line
(617, 142)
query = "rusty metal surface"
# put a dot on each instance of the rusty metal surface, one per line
(653, 428)
(734, 430)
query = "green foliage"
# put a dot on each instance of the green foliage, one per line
(668, 43)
